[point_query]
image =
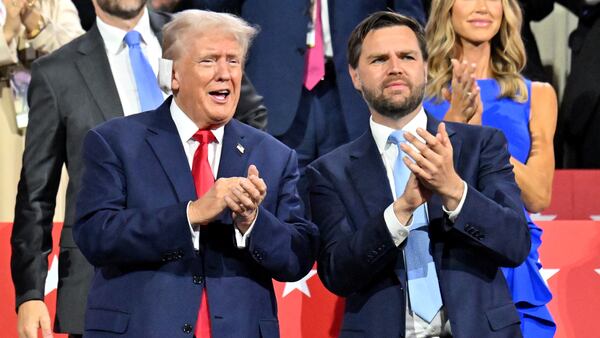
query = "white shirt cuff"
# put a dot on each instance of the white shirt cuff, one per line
(195, 233)
(398, 231)
(240, 240)
(452, 215)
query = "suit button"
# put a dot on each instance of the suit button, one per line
(197, 279)
(187, 328)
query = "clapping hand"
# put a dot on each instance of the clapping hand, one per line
(464, 97)
(245, 199)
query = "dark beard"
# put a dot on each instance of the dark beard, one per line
(392, 109)
(113, 8)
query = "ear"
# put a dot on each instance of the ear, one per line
(355, 78)
(174, 79)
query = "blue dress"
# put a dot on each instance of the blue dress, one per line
(529, 291)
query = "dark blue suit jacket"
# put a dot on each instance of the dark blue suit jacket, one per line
(277, 56)
(132, 226)
(349, 192)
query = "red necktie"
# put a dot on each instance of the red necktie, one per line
(203, 180)
(315, 55)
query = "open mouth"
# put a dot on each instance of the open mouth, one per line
(219, 95)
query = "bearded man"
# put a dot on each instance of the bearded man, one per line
(416, 217)
(108, 72)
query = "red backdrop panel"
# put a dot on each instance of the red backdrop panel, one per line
(571, 247)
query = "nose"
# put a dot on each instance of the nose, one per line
(223, 73)
(394, 66)
(481, 6)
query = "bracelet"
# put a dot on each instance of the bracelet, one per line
(37, 30)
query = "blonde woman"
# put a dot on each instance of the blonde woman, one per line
(476, 55)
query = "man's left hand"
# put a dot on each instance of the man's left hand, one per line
(245, 199)
(433, 164)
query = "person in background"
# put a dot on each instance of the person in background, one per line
(476, 55)
(577, 136)
(108, 72)
(187, 214)
(534, 10)
(30, 29)
(405, 211)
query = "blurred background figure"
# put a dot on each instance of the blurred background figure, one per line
(578, 138)
(484, 84)
(87, 15)
(534, 10)
(30, 29)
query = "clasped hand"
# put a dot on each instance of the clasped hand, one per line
(464, 95)
(241, 195)
(432, 171)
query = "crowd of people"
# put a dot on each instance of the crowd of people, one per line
(213, 146)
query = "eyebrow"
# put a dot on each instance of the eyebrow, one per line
(405, 52)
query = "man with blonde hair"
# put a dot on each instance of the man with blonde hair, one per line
(176, 252)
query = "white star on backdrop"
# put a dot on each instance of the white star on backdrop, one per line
(548, 273)
(540, 217)
(300, 285)
(595, 217)
(52, 278)
(597, 271)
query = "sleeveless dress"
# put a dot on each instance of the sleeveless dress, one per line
(529, 290)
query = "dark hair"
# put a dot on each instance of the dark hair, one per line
(379, 20)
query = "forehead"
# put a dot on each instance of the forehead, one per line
(213, 41)
(387, 39)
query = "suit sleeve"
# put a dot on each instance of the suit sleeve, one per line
(108, 232)
(283, 241)
(31, 238)
(350, 257)
(250, 109)
(492, 219)
(411, 8)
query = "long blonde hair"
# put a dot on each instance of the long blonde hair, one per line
(507, 49)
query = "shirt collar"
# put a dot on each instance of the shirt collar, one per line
(381, 133)
(113, 36)
(187, 128)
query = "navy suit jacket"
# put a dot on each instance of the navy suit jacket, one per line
(132, 226)
(349, 192)
(277, 56)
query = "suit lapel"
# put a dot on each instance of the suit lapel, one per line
(234, 153)
(95, 69)
(368, 175)
(434, 206)
(166, 144)
(234, 158)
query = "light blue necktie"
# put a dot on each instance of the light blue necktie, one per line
(147, 86)
(423, 286)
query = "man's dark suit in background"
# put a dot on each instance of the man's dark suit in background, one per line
(72, 90)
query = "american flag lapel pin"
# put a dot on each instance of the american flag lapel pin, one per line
(240, 148)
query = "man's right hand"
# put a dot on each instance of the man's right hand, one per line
(32, 315)
(415, 194)
(208, 207)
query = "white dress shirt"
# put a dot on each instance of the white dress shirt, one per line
(415, 326)
(186, 128)
(118, 58)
